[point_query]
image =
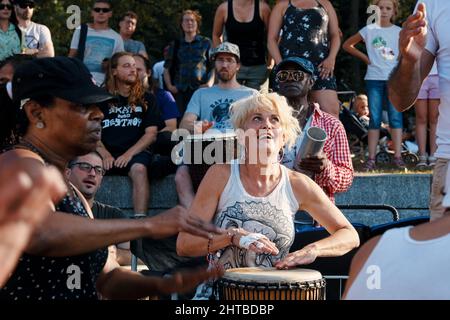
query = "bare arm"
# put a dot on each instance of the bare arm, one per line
(349, 46)
(108, 159)
(128, 285)
(73, 53)
(275, 23)
(188, 121)
(168, 81)
(415, 62)
(86, 235)
(219, 22)
(265, 15)
(27, 190)
(343, 237)
(146, 140)
(171, 125)
(46, 51)
(204, 208)
(406, 79)
(358, 262)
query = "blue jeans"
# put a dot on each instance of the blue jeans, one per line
(377, 93)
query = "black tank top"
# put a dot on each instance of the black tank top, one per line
(249, 36)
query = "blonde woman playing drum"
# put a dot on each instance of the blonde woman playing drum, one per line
(256, 198)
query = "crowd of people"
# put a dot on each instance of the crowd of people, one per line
(267, 74)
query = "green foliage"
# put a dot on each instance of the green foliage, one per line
(159, 24)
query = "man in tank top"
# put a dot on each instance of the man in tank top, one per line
(245, 24)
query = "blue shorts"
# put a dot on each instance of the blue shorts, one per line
(377, 93)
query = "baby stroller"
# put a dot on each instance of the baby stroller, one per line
(357, 133)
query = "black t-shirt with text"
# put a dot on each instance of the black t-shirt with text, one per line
(124, 125)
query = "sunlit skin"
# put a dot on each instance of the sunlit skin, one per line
(387, 12)
(87, 182)
(127, 27)
(126, 70)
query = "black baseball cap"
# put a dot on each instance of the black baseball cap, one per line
(61, 77)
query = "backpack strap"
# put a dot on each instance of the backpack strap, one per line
(19, 34)
(82, 41)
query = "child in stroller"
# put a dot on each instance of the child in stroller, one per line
(354, 116)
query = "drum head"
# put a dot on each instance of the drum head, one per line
(271, 275)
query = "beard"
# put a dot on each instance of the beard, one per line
(127, 80)
(225, 76)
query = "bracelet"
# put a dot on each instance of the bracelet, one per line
(232, 234)
(209, 245)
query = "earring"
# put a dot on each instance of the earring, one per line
(281, 155)
(40, 125)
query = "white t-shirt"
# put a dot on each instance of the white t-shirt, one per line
(382, 48)
(100, 44)
(438, 43)
(36, 36)
(158, 72)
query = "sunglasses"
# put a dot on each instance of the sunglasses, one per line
(104, 10)
(285, 75)
(5, 6)
(86, 167)
(25, 5)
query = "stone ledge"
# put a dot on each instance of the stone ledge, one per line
(409, 193)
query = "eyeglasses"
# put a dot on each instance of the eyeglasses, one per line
(25, 5)
(86, 167)
(104, 10)
(5, 6)
(295, 75)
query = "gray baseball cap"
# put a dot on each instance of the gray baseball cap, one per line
(225, 47)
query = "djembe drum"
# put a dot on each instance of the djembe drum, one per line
(201, 151)
(271, 284)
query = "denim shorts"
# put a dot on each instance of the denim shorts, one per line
(377, 93)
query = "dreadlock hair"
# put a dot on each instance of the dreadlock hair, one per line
(137, 91)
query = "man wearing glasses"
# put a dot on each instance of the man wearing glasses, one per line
(86, 174)
(37, 39)
(99, 41)
(333, 169)
(10, 35)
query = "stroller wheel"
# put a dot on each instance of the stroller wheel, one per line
(410, 158)
(383, 157)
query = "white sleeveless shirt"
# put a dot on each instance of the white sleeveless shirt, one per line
(272, 216)
(401, 268)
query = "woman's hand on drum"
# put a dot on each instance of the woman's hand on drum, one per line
(306, 255)
(254, 241)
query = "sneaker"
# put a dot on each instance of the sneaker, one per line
(370, 165)
(432, 161)
(423, 162)
(399, 163)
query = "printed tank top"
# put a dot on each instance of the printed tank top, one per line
(272, 216)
